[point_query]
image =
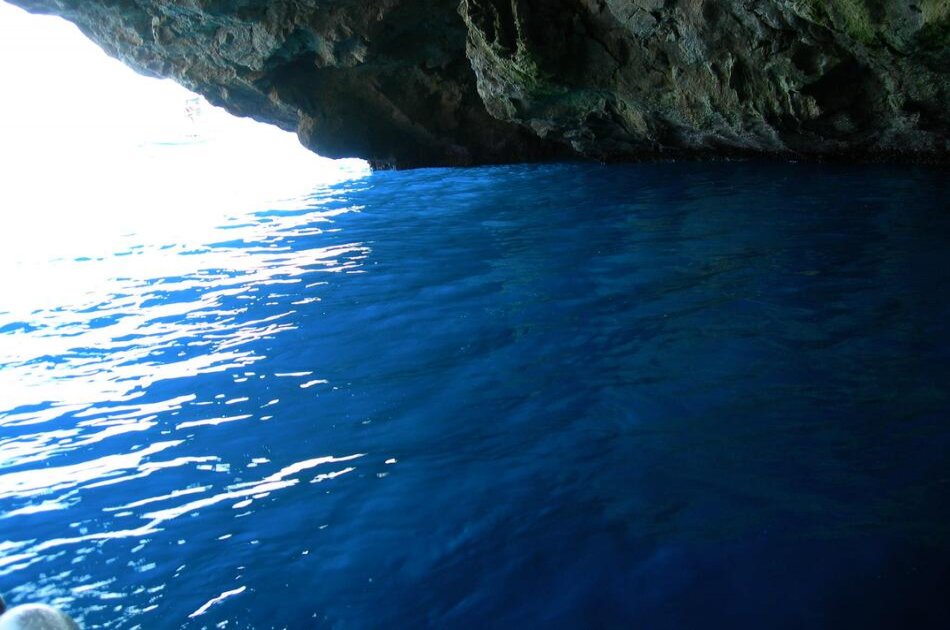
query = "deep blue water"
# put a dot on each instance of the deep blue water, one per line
(642, 396)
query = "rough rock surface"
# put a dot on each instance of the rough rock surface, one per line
(408, 83)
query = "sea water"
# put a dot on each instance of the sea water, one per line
(640, 396)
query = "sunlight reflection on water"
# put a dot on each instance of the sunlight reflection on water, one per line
(88, 312)
(85, 333)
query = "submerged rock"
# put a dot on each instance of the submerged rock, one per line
(411, 83)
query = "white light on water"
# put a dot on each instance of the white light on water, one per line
(105, 182)
(91, 152)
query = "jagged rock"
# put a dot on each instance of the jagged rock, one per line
(412, 83)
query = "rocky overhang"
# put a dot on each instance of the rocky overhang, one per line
(412, 83)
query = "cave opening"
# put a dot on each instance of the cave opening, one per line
(91, 147)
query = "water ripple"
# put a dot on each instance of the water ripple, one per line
(534, 395)
(81, 362)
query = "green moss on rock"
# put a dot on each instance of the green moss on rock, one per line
(853, 17)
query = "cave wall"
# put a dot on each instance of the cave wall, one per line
(409, 83)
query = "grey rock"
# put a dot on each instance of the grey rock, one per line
(36, 617)
(411, 83)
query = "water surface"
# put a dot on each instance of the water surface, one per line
(656, 396)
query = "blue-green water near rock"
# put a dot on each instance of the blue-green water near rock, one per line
(647, 396)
